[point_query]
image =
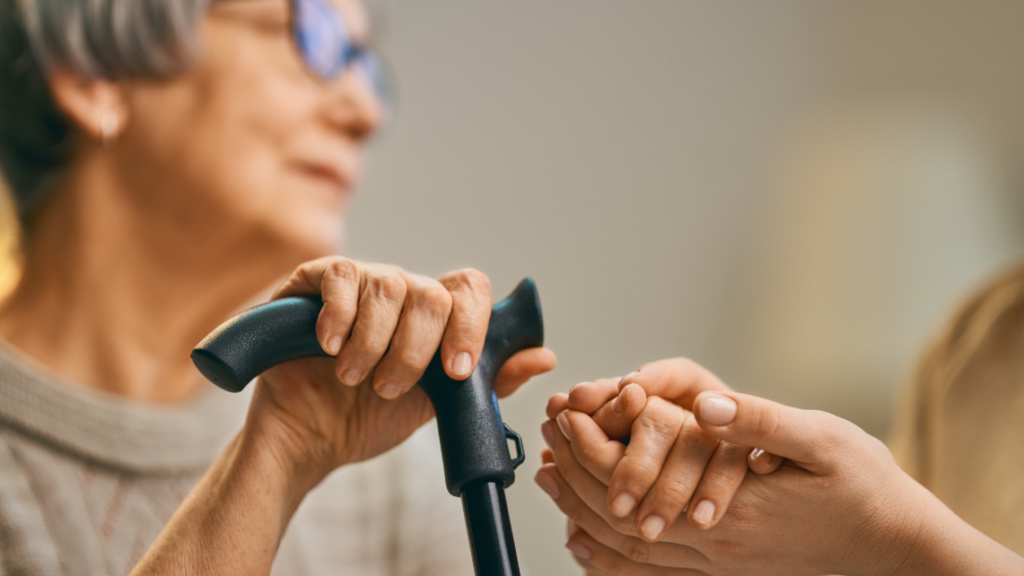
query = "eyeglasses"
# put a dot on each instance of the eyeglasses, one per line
(323, 38)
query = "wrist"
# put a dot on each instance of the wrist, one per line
(927, 539)
(283, 456)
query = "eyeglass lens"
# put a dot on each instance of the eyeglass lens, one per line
(326, 45)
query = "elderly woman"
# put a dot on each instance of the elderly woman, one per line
(171, 160)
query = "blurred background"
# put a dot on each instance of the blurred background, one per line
(792, 193)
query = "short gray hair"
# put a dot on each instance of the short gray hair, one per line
(96, 38)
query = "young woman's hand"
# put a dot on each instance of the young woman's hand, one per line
(839, 504)
(383, 324)
(668, 464)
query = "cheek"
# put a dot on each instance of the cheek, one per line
(217, 140)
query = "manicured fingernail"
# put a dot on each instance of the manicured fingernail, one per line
(547, 485)
(717, 410)
(756, 453)
(563, 424)
(623, 504)
(704, 512)
(389, 390)
(548, 434)
(628, 376)
(578, 549)
(352, 376)
(334, 345)
(652, 527)
(461, 364)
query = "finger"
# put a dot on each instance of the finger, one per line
(676, 379)
(467, 327)
(582, 517)
(722, 478)
(556, 404)
(521, 367)
(547, 456)
(616, 417)
(806, 437)
(420, 327)
(337, 281)
(585, 486)
(590, 445)
(650, 441)
(677, 481)
(763, 462)
(588, 397)
(601, 559)
(381, 300)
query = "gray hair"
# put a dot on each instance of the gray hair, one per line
(96, 38)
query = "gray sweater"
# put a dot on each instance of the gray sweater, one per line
(87, 481)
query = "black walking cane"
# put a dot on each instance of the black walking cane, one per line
(474, 440)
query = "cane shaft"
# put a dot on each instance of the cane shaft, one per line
(490, 531)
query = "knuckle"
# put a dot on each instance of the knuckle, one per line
(342, 269)
(586, 451)
(391, 287)
(437, 298)
(674, 493)
(636, 550)
(694, 435)
(768, 423)
(468, 279)
(477, 281)
(411, 362)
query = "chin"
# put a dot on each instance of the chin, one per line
(320, 234)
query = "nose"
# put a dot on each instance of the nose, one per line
(354, 107)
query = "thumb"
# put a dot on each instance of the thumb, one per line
(807, 437)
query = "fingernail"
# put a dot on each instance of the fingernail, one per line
(575, 386)
(628, 376)
(563, 424)
(352, 376)
(548, 434)
(461, 364)
(578, 549)
(717, 410)
(334, 345)
(704, 512)
(389, 390)
(756, 453)
(618, 405)
(547, 485)
(623, 504)
(652, 527)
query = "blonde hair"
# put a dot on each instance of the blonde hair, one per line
(959, 429)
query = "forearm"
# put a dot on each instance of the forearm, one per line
(936, 542)
(233, 520)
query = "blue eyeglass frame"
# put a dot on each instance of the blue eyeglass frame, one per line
(323, 39)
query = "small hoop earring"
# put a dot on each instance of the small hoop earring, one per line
(110, 129)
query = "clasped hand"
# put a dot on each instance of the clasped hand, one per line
(698, 489)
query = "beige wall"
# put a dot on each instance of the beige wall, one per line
(790, 192)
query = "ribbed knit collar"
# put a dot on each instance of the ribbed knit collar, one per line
(112, 430)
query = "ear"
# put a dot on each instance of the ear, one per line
(97, 106)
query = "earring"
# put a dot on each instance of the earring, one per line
(110, 128)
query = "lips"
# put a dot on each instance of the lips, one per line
(331, 174)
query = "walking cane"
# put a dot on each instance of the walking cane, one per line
(474, 440)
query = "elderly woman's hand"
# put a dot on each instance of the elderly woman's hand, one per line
(384, 325)
(840, 504)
